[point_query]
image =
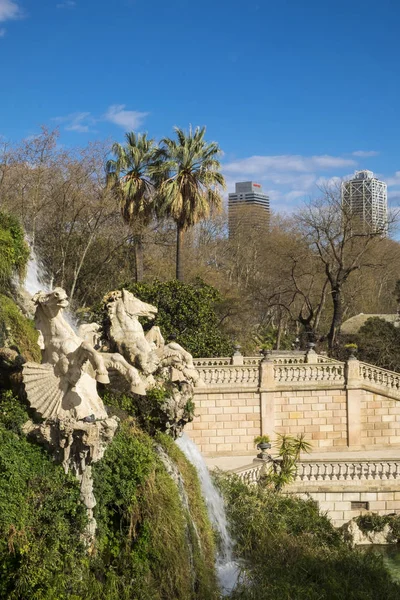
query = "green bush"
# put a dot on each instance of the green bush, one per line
(14, 251)
(15, 329)
(41, 517)
(143, 531)
(291, 551)
(187, 312)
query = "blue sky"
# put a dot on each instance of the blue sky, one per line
(295, 92)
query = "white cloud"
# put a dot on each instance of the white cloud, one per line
(257, 165)
(80, 122)
(66, 4)
(365, 153)
(128, 119)
(394, 180)
(9, 10)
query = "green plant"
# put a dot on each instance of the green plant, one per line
(14, 251)
(186, 313)
(17, 330)
(289, 550)
(261, 439)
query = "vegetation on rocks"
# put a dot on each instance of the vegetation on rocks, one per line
(141, 550)
(14, 251)
(291, 551)
(17, 330)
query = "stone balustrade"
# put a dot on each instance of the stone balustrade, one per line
(229, 375)
(289, 375)
(375, 377)
(329, 471)
(335, 405)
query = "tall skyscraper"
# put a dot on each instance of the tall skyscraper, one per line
(248, 207)
(366, 197)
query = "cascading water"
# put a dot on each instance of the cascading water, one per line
(227, 568)
(35, 281)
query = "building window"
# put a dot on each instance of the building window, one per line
(358, 505)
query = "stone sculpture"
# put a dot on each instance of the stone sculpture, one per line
(74, 423)
(161, 363)
(64, 385)
(63, 392)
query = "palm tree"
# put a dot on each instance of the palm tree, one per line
(128, 175)
(189, 180)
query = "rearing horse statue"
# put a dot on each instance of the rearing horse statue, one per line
(64, 385)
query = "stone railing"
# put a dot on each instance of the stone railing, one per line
(229, 375)
(377, 378)
(212, 362)
(330, 471)
(296, 369)
(285, 375)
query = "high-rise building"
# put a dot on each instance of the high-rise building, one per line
(366, 197)
(248, 207)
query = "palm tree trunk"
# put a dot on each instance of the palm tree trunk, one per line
(179, 247)
(138, 257)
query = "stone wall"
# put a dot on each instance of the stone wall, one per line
(339, 486)
(320, 414)
(337, 406)
(380, 421)
(226, 421)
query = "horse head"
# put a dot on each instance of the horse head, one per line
(132, 306)
(50, 303)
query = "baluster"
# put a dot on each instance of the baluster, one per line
(312, 473)
(341, 477)
(390, 470)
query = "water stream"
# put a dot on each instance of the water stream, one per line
(35, 281)
(227, 567)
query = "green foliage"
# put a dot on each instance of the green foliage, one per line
(187, 312)
(291, 551)
(379, 344)
(14, 251)
(143, 530)
(41, 517)
(18, 330)
(368, 522)
(261, 439)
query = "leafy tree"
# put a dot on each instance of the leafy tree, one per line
(129, 177)
(379, 344)
(341, 246)
(14, 251)
(187, 312)
(189, 182)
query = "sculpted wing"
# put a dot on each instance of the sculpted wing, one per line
(43, 388)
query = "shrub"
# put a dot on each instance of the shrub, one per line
(187, 312)
(15, 329)
(291, 551)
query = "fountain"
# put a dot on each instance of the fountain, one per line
(227, 567)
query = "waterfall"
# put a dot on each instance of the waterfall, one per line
(227, 568)
(35, 281)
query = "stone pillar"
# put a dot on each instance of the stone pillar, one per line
(267, 396)
(311, 356)
(353, 396)
(237, 358)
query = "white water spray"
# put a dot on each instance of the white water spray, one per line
(35, 281)
(227, 568)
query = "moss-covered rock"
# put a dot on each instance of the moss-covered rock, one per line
(14, 251)
(17, 330)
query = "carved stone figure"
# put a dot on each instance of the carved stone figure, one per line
(160, 362)
(64, 385)
(125, 331)
(146, 351)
